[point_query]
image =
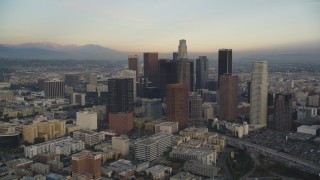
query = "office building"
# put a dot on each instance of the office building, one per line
(152, 108)
(120, 95)
(177, 104)
(130, 74)
(259, 95)
(182, 50)
(54, 89)
(282, 115)
(90, 138)
(166, 128)
(93, 78)
(224, 63)
(228, 97)
(202, 72)
(195, 109)
(186, 73)
(121, 144)
(133, 64)
(87, 120)
(121, 122)
(78, 99)
(168, 74)
(152, 147)
(151, 68)
(212, 85)
(175, 56)
(72, 79)
(86, 163)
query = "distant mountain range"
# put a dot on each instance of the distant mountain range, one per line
(97, 52)
(56, 51)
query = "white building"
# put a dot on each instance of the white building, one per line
(153, 147)
(309, 129)
(182, 49)
(87, 120)
(64, 146)
(166, 128)
(205, 156)
(90, 138)
(259, 95)
(121, 144)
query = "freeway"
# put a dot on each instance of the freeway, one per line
(275, 154)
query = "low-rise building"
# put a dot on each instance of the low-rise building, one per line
(185, 176)
(121, 144)
(123, 169)
(159, 171)
(55, 165)
(19, 163)
(196, 167)
(313, 130)
(40, 168)
(153, 147)
(45, 157)
(205, 156)
(166, 128)
(90, 138)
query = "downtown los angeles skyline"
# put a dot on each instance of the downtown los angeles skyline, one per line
(156, 26)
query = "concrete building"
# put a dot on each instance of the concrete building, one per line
(228, 97)
(40, 168)
(121, 144)
(90, 138)
(182, 50)
(207, 111)
(93, 78)
(87, 120)
(282, 115)
(78, 99)
(55, 165)
(177, 104)
(54, 89)
(133, 64)
(45, 157)
(196, 167)
(259, 95)
(313, 101)
(121, 122)
(46, 129)
(202, 72)
(224, 63)
(122, 169)
(205, 156)
(195, 109)
(313, 130)
(153, 147)
(159, 171)
(151, 68)
(21, 163)
(166, 128)
(86, 163)
(185, 176)
(64, 146)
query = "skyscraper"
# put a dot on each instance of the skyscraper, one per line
(186, 73)
(120, 95)
(282, 116)
(228, 97)
(195, 109)
(175, 55)
(259, 95)
(151, 68)
(54, 89)
(225, 63)
(168, 74)
(133, 64)
(86, 164)
(130, 74)
(201, 72)
(182, 50)
(72, 79)
(177, 104)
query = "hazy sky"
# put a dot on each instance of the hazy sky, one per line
(157, 25)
